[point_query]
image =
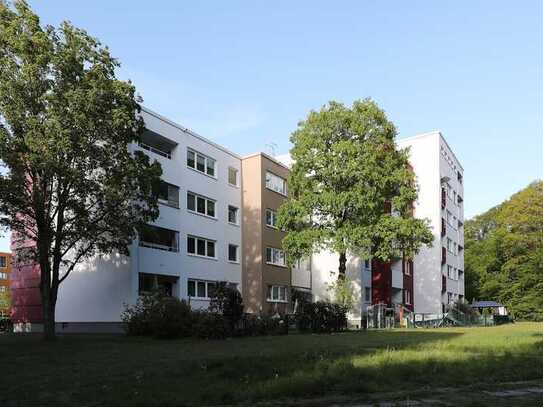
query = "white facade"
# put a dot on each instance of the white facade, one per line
(98, 290)
(436, 167)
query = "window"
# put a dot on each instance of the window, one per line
(271, 218)
(201, 162)
(168, 194)
(233, 214)
(200, 204)
(449, 298)
(275, 256)
(277, 293)
(233, 176)
(200, 246)
(367, 264)
(3, 276)
(159, 238)
(3, 261)
(233, 253)
(407, 295)
(276, 183)
(408, 270)
(303, 264)
(450, 273)
(367, 294)
(200, 289)
(3, 288)
(449, 245)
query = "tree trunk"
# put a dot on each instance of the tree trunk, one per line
(342, 265)
(48, 306)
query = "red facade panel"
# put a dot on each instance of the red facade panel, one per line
(381, 282)
(408, 271)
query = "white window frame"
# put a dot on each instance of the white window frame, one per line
(206, 158)
(408, 298)
(273, 216)
(269, 185)
(281, 289)
(237, 215)
(206, 205)
(3, 261)
(207, 288)
(3, 276)
(274, 252)
(228, 253)
(237, 176)
(206, 240)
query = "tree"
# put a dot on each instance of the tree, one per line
(346, 171)
(504, 254)
(71, 186)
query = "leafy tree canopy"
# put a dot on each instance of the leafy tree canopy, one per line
(70, 183)
(347, 170)
(504, 254)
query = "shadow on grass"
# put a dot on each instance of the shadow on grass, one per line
(105, 371)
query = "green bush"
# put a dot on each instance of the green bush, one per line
(227, 301)
(263, 324)
(321, 316)
(159, 316)
(210, 325)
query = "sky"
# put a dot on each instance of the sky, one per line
(244, 73)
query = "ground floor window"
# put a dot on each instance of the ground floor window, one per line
(277, 293)
(200, 289)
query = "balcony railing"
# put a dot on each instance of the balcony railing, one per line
(155, 150)
(159, 246)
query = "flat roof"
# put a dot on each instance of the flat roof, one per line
(432, 133)
(188, 131)
(269, 157)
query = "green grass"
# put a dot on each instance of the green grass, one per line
(112, 371)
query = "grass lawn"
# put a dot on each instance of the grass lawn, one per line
(113, 371)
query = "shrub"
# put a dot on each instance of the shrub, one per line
(210, 325)
(321, 316)
(227, 301)
(263, 324)
(158, 315)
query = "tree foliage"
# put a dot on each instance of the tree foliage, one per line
(504, 254)
(70, 185)
(346, 170)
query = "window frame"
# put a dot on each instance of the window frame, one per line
(236, 246)
(206, 242)
(284, 192)
(206, 158)
(196, 281)
(273, 215)
(275, 250)
(236, 223)
(206, 205)
(283, 288)
(3, 262)
(230, 168)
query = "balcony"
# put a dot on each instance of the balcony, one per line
(168, 194)
(159, 238)
(443, 283)
(443, 255)
(443, 227)
(443, 198)
(157, 144)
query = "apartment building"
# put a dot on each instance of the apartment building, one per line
(439, 270)
(194, 243)
(5, 276)
(218, 223)
(266, 277)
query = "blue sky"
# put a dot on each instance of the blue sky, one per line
(244, 73)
